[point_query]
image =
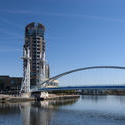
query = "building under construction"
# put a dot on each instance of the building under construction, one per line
(35, 42)
(36, 70)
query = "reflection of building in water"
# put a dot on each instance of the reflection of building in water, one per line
(40, 113)
(34, 114)
(6, 108)
(40, 116)
(25, 111)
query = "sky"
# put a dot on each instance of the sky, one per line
(79, 33)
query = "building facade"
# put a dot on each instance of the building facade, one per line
(8, 83)
(35, 42)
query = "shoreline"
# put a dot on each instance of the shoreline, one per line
(9, 98)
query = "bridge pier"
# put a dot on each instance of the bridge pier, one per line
(26, 95)
(40, 95)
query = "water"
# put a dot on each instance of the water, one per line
(88, 110)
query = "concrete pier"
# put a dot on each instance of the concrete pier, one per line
(10, 98)
(59, 97)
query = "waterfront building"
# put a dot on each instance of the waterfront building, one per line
(8, 83)
(35, 42)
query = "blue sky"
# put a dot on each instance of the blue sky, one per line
(78, 33)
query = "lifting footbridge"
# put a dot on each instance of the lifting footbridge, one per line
(44, 84)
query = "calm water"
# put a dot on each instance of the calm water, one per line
(88, 110)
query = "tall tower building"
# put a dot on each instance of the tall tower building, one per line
(35, 42)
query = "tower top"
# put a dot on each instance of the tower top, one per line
(35, 29)
(35, 25)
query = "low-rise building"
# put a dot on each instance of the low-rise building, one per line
(10, 83)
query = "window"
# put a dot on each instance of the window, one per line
(12, 82)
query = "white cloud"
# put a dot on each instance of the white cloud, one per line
(17, 11)
(61, 15)
(5, 49)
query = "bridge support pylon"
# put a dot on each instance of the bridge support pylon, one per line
(25, 85)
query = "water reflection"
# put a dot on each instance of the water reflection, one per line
(88, 110)
(32, 113)
(96, 98)
(93, 98)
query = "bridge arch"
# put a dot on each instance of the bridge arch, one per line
(81, 69)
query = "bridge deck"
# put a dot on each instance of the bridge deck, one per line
(82, 88)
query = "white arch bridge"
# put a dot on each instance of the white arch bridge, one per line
(79, 87)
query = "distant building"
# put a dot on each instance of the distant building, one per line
(34, 40)
(53, 83)
(10, 83)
